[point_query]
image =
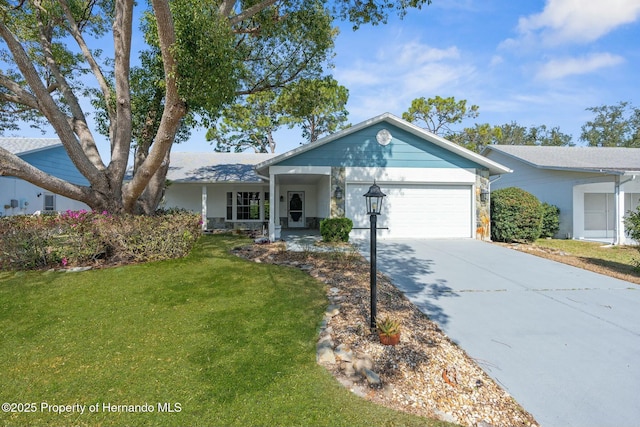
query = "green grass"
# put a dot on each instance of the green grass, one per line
(598, 256)
(229, 341)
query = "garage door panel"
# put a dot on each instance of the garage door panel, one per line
(432, 211)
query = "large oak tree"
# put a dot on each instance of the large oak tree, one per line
(202, 54)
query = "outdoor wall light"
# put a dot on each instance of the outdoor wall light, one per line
(374, 206)
(338, 193)
(484, 195)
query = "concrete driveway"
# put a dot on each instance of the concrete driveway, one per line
(564, 342)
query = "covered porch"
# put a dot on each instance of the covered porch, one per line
(300, 198)
(599, 208)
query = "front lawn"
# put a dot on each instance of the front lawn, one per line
(615, 261)
(207, 340)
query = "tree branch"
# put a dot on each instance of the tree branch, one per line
(121, 134)
(175, 108)
(20, 96)
(48, 107)
(79, 121)
(95, 68)
(12, 165)
(250, 12)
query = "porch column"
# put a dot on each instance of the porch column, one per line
(619, 237)
(273, 208)
(204, 207)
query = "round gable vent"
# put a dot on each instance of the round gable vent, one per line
(383, 137)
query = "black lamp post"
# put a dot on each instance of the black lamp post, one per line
(374, 206)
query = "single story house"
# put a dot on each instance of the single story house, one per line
(434, 188)
(19, 197)
(594, 187)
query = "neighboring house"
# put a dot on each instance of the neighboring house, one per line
(594, 187)
(435, 188)
(19, 197)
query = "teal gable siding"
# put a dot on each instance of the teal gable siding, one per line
(360, 149)
(56, 162)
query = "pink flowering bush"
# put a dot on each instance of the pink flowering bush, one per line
(83, 237)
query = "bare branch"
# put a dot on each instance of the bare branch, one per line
(48, 107)
(226, 7)
(20, 96)
(95, 68)
(120, 129)
(250, 12)
(12, 165)
(175, 108)
(87, 142)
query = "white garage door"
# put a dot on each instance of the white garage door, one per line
(423, 211)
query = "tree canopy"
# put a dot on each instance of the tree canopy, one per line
(319, 106)
(613, 126)
(198, 57)
(438, 114)
(316, 105)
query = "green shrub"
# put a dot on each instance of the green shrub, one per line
(83, 238)
(550, 220)
(335, 229)
(632, 225)
(516, 215)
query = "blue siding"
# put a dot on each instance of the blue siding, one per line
(360, 149)
(56, 162)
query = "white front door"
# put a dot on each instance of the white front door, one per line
(295, 209)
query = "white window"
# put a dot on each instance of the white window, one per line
(247, 206)
(49, 203)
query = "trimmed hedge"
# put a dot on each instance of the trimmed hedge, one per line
(516, 215)
(84, 238)
(335, 229)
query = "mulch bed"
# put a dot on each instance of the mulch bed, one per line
(426, 373)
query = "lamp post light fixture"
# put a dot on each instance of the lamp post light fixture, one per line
(374, 206)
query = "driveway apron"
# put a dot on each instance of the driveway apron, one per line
(564, 342)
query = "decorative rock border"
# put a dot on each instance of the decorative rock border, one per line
(355, 367)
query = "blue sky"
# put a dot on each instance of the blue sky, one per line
(532, 62)
(535, 62)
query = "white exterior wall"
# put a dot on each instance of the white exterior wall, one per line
(553, 187)
(323, 197)
(411, 175)
(27, 196)
(564, 189)
(184, 196)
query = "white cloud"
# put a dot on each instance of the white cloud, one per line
(496, 60)
(399, 73)
(559, 68)
(417, 53)
(569, 21)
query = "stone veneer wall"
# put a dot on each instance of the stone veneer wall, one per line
(310, 222)
(483, 218)
(338, 179)
(219, 223)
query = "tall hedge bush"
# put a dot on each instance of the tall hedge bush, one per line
(516, 215)
(550, 220)
(335, 229)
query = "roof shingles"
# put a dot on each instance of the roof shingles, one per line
(215, 167)
(620, 159)
(21, 146)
